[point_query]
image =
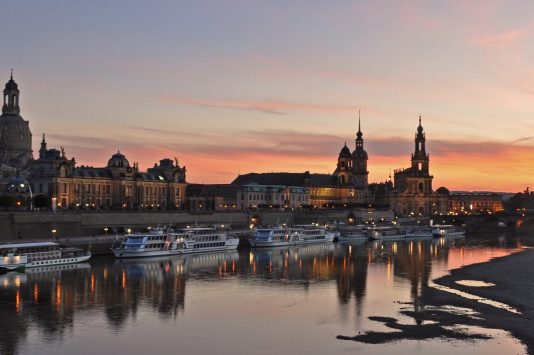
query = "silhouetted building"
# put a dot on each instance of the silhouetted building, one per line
(413, 194)
(348, 185)
(15, 135)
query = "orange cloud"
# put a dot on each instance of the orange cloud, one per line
(218, 158)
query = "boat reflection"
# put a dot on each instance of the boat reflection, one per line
(50, 299)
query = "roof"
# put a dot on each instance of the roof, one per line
(286, 179)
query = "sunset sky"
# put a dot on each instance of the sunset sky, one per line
(234, 87)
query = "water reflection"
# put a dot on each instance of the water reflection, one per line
(53, 300)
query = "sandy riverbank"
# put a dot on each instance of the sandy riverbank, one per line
(436, 312)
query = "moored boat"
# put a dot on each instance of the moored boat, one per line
(18, 256)
(385, 233)
(295, 235)
(270, 237)
(162, 243)
(447, 230)
(310, 233)
(350, 234)
(417, 231)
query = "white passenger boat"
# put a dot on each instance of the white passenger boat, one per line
(310, 233)
(34, 254)
(351, 234)
(417, 231)
(270, 237)
(447, 230)
(296, 235)
(386, 233)
(159, 242)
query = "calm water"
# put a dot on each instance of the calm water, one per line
(282, 300)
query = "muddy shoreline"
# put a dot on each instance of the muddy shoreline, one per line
(434, 312)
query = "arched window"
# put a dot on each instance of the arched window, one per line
(420, 187)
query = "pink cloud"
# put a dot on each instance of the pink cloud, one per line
(265, 106)
(503, 38)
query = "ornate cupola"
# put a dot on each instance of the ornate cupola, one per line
(420, 159)
(11, 97)
(344, 166)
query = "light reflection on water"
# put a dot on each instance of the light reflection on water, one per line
(291, 300)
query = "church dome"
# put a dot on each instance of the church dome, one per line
(118, 160)
(345, 152)
(443, 190)
(11, 85)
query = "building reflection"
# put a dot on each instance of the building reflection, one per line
(49, 298)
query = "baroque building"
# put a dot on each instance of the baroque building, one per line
(351, 168)
(118, 185)
(15, 135)
(412, 192)
(347, 185)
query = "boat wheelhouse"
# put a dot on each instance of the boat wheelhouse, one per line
(34, 254)
(270, 237)
(310, 233)
(447, 230)
(199, 240)
(386, 233)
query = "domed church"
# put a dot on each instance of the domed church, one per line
(15, 135)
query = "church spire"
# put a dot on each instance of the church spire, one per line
(42, 151)
(359, 134)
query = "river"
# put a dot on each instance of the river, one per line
(293, 300)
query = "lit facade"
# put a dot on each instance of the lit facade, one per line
(475, 202)
(115, 186)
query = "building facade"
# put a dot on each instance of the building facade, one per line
(475, 202)
(412, 192)
(118, 185)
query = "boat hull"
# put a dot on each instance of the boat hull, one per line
(7, 268)
(449, 234)
(267, 244)
(60, 261)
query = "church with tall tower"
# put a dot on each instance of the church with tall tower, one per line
(351, 168)
(15, 135)
(412, 192)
